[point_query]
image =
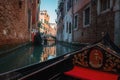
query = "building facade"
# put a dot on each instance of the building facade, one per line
(68, 20)
(91, 20)
(35, 13)
(60, 20)
(35, 9)
(79, 33)
(15, 22)
(44, 20)
(46, 27)
(53, 29)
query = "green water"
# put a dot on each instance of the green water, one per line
(29, 55)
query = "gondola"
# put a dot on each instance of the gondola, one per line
(98, 61)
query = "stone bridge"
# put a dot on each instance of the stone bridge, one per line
(50, 36)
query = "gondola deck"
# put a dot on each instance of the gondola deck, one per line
(89, 74)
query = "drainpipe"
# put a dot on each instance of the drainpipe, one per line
(117, 23)
(72, 21)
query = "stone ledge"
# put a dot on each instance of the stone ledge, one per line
(14, 48)
(77, 44)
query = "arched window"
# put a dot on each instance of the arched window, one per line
(105, 4)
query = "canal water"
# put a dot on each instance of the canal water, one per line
(29, 55)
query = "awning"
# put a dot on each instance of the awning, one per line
(89, 74)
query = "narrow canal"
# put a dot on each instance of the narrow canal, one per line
(29, 55)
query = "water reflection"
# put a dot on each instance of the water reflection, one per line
(32, 54)
(49, 51)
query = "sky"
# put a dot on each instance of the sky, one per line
(50, 6)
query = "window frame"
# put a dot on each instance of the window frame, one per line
(76, 27)
(67, 31)
(105, 4)
(69, 5)
(70, 28)
(76, 1)
(87, 25)
(99, 11)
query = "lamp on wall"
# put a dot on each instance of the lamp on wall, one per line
(20, 3)
(94, 1)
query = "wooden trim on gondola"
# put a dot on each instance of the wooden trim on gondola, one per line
(36, 72)
(106, 61)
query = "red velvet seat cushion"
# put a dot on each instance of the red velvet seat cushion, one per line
(88, 74)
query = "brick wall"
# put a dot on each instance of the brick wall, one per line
(84, 34)
(13, 22)
(34, 12)
(100, 24)
(103, 22)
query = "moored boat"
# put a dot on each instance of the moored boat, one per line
(99, 61)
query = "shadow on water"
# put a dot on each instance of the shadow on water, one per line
(37, 51)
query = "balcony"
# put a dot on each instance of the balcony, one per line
(60, 4)
(69, 5)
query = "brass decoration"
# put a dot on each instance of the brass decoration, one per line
(81, 59)
(96, 58)
(112, 63)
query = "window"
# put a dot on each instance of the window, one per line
(82, 34)
(67, 27)
(42, 20)
(76, 21)
(76, 1)
(69, 4)
(105, 4)
(86, 16)
(42, 13)
(20, 4)
(63, 27)
(70, 28)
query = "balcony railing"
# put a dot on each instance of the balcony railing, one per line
(60, 4)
